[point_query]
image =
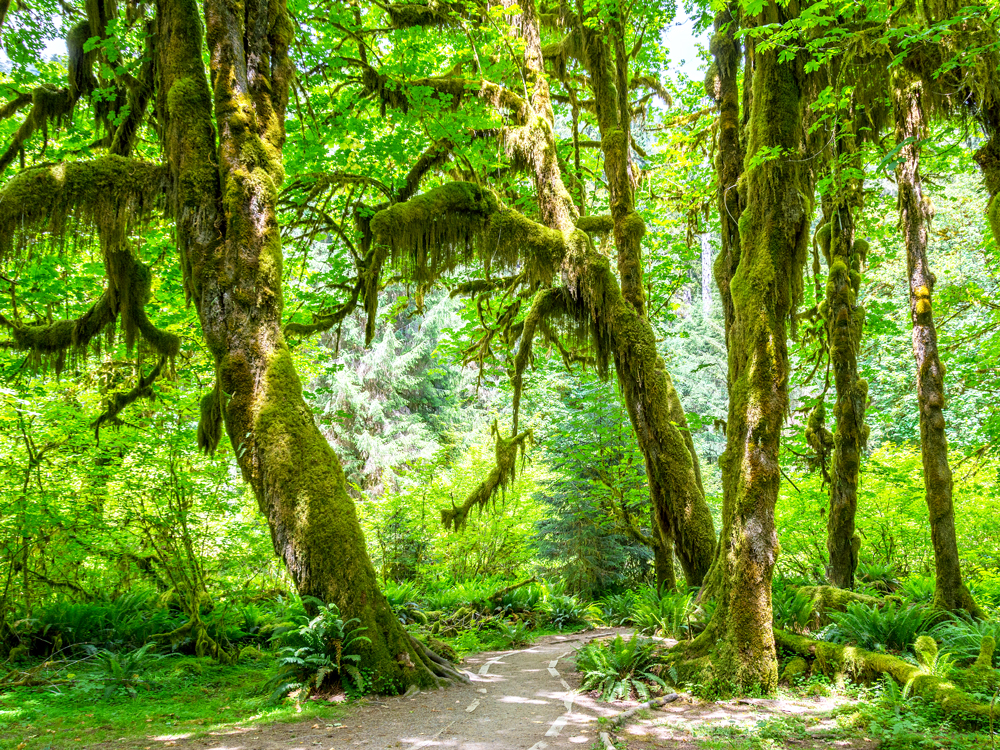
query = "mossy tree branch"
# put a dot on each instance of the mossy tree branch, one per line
(503, 474)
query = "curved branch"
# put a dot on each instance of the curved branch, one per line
(111, 193)
(117, 403)
(502, 475)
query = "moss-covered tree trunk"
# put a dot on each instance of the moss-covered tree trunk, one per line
(845, 321)
(722, 86)
(915, 214)
(988, 158)
(654, 407)
(765, 286)
(663, 560)
(226, 178)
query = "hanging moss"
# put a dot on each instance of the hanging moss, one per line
(430, 233)
(210, 421)
(434, 232)
(119, 401)
(423, 15)
(513, 241)
(499, 479)
(113, 193)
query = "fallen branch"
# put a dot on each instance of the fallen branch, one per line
(834, 660)
(496, 596)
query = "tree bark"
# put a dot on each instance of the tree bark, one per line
(773, 232)
(915, 214)
(657, 416)
(663, 561)
(988, 158)
(226, 177)
(845, 321)
(722, 86)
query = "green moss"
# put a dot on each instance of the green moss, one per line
(431, 232)
(993, 216)
(188, 101)
(111, 193)
(797, 667)
(302, 490)
(986, 649)
(926, 649)
(835, 660)
(210, 421)
(600, 224)
(826, 599)
(512, 241)
(423, 15)
(503, 474)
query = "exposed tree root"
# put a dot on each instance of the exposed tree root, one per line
(624, 716)
(836, 660)
(440, 668)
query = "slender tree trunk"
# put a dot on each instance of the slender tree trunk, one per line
(845, 321)
(224, 204)
(652, 402)
(660, 424)
(915, 214)
(722, 85)
(988, 158)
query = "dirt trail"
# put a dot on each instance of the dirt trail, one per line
(520, 700)
(516, 700)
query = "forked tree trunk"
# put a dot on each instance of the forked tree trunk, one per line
(764, 288)
(915, 214)
(654, 407)
(224, 204)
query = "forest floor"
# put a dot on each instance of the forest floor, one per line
(527, 700)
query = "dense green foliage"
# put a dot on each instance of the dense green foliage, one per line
(135, 561)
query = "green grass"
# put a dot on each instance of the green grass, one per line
(185, 696)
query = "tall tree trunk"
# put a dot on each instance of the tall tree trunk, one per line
(663, 559)
(722, 86)
(845, 321)
(224, 205)
(672, 466)
(915, 214)
(653, 405)
(988, 158)
(773, 234)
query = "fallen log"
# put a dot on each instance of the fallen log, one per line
(837, 660)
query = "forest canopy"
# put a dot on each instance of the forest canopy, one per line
(341, 300)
